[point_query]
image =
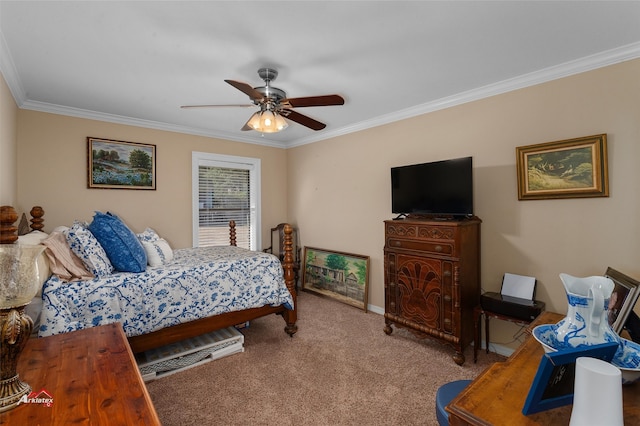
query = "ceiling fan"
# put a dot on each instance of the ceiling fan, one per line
(274, 105)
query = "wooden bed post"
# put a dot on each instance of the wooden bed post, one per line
(8, 218)
(8, 231)
(232, 233)
(37, 222)
(290, 316)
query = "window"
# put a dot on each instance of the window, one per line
(225, 188)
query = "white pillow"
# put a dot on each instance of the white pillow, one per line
(33, 238)
(148, 235)
(158, 252)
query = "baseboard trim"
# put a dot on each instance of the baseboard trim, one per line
(497, 348)
(375, 309)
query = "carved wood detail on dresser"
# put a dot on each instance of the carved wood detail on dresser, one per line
(432, 279)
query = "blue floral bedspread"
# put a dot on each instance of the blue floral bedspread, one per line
(197, 283)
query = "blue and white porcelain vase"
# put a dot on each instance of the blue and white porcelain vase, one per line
(586, 322)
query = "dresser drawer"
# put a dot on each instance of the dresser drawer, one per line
(432, 247)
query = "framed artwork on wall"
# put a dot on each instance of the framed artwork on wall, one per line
(572, 168)
(342, 276)
(120, 165)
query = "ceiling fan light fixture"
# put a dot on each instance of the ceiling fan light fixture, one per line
(254, 121)
(281, 123)
(267, 121)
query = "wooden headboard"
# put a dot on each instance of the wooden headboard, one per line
(9, 229)
(8, 219)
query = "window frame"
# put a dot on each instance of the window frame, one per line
(228, 161)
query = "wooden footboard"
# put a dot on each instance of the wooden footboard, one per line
(195, 328)
(165, 336)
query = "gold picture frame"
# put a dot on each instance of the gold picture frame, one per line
(115, 164)
(572, 168)
(335, 274)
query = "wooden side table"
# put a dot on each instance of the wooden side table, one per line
(497, 395)
(477, 313)
(90, 375)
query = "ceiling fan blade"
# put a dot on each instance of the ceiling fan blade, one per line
(302, 119)
(313, 101)
(218, 106)
(246, 89)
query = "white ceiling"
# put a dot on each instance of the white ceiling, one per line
(136, 62)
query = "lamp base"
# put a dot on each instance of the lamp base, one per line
(15, 329)
(11, 392)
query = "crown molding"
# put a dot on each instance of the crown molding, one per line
(9, 72)
(11, 76)
(129, 121)
(588, 63)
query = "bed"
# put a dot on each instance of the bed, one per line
(210, 291)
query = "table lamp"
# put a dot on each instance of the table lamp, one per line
(18, 285)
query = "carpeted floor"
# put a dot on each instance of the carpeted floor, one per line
(339, 369)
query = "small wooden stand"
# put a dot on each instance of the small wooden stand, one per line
(90, 376)
(477, 313)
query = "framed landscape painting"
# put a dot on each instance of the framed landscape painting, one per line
(573, 168)
(121, 165)
(342, 276)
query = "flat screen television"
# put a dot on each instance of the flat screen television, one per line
(440, 188)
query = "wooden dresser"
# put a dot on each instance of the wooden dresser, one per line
(90, 375)
(432, 278)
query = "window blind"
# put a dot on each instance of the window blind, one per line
(224, 194)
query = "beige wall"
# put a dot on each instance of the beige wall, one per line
(52, 154)
(8, 141)
(340, 188)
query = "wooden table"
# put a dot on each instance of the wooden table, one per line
(90, 374)
(496, 396)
